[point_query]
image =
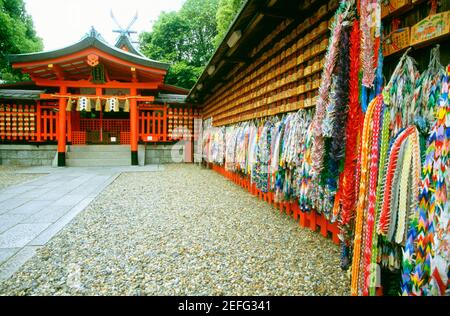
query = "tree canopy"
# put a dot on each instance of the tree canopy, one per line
(17, 36)
(188, 38)
(225, 14)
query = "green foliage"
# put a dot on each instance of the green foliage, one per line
(183, 75)
(225, 14)
(188, 38)
(201, 17)
(167, 42)
(17, 36)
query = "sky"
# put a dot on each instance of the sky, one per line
(61, 23)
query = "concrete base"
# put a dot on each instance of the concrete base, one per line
(27, 155)
(141, 155)
(92, 155)
(165, 153)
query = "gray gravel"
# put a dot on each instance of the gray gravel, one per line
(182, 231)
(10, 177)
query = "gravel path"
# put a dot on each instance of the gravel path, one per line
(9, 176)
(182, 231)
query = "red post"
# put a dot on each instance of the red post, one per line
(69, 127)
(38, 121)
(99, 93)
(134, 127)
(62, 116)
(165, 123)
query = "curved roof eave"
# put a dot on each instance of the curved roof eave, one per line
(83, 44)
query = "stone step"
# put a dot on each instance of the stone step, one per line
(98, 154)
(105, 162)
(99, 148)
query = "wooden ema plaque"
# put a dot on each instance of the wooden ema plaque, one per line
(432, 27)
(396, 41)
(391, 6)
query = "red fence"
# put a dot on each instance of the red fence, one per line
(152, 125)
(47, 124)
(166, 124)
(39, 123)
(31, 122)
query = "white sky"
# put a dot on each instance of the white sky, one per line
(61, 23)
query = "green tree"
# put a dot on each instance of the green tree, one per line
(167, 42)
(226, 12)
(183, 75)
(201, 15)
(185, 39)
(17, 36)
(188, 38)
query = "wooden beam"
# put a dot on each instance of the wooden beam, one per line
(237, 60)
(56, 96)
(280, 15)
(83, 54)
(58, 72)
(88, 84)
(272, 3)
(253, 23)
(133, 74)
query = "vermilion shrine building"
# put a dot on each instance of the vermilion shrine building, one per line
(93, 93)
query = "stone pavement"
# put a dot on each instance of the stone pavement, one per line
(32, 213)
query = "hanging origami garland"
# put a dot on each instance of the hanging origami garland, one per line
(347, 185)
(334, 126)
(305, 174)
(425, 265)
(384, 146)
(276, 173)
(427, 92)
(357, 275)
(399, 93)
(261, 167)
(371, 194)
(289, 155)
(318, 149)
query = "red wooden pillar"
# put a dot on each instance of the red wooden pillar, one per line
(62, 116)
(69, 127)
(99, 93)
(165, 123)
(38, 121)
(134, 127)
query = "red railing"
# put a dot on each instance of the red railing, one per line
(47, 124)
(152, 125)
(39, 123)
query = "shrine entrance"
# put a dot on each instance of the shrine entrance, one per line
(105, 128)
(93, 93)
